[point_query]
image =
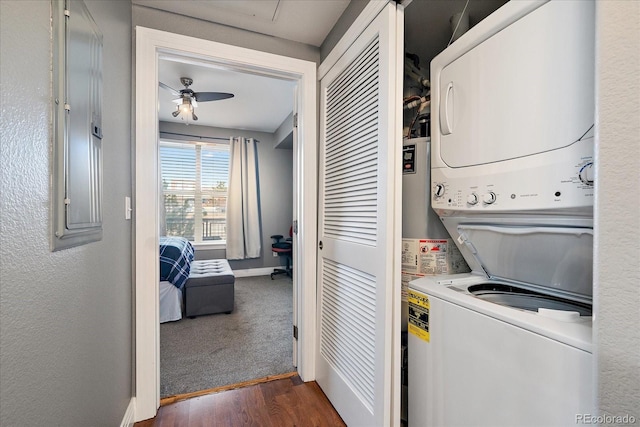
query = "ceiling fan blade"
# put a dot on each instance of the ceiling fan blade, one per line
(212, 96)
(173, 91)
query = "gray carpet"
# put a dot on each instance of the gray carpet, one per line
(254, 341)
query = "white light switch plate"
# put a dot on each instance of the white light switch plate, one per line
(127, 207)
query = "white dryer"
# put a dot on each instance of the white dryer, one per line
(512, 181)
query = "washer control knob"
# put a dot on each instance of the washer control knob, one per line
(489, 198)
(586, 174)
(438, 190)
(472, 199)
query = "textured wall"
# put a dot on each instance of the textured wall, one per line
(276, 189)
(617, 246)
(65, 317)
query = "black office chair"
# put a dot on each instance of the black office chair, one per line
(282, 248)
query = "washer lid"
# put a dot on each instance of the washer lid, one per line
(553, 258)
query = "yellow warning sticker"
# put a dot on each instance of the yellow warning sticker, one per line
(418, 315)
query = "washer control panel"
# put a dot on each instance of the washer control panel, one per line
(520, 184)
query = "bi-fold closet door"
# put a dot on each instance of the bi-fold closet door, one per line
(359, 195)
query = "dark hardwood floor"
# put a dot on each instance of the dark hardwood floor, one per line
(278, 403)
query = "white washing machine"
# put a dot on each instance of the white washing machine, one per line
(484, 364)
(512, 119)
(496, 348)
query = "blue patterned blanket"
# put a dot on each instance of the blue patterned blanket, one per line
(176, 254)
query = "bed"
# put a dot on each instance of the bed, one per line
(176, 257)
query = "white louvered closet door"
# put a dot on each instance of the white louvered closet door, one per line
(355, 271)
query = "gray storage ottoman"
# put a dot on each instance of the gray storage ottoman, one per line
(209, 288)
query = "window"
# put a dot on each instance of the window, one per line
(194, 187)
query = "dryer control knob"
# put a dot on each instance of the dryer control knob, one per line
(438, 190)
(472, 199)
(586, 174)
(489, 197)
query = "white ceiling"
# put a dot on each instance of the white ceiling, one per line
(260, 103)
(305, 21)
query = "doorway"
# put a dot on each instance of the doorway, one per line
(150, 44)
(254, 339)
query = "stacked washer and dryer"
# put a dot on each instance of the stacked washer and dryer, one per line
(510, 344)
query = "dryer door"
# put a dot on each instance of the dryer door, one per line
(520, 92)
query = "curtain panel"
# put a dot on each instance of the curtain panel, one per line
(243, 201)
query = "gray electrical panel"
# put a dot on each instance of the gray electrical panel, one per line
(77, 148)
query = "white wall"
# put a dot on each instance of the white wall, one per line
(617, 213)
(65, 317)
(275, 168)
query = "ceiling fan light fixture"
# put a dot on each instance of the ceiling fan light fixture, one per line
(185, 109)
(187, 99)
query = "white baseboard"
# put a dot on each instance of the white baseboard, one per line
(129, 418)
(250, 272)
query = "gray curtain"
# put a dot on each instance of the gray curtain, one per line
(243, 202)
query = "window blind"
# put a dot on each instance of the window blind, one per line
(195, 179)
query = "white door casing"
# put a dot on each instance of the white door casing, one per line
(358, 210)
(149, 44)
(294, 234)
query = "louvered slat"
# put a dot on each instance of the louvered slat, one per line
(348, 325)
(351, 151)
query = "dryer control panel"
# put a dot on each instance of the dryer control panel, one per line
(562, 179)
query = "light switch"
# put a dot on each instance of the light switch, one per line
(127, 207)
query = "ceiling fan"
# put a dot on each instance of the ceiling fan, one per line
(188, 99)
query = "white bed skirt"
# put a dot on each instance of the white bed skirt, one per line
(170, 302)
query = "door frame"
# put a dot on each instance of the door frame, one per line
(150, 44)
